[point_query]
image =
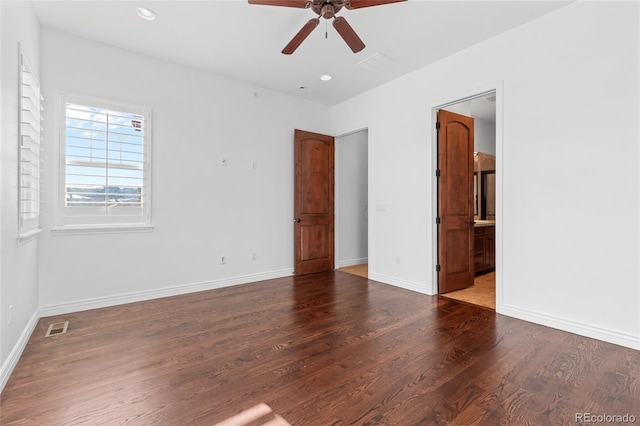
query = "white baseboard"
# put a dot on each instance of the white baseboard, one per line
(139, 296)
(599, 333)
(352, 262)
(16, 352)
(396, 282)
(607, 335)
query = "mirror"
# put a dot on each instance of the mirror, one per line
(484, 186)
(488, 191)
(475, 193)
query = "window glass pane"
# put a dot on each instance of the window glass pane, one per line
(75, 154)
(104, 157)
(85, 195)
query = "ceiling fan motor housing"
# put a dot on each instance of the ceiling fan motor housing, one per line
(326, 9)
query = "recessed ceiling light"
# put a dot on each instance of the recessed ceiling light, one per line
(146, 14)
(325, 77)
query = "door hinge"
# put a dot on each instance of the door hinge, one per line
(437, 125)
(438, 220)
(437, 268)
(437, 172)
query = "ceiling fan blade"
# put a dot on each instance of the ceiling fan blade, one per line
(286, 3)
(302, 34)
(357, 4)
(348, 34)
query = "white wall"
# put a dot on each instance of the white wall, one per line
(19, 271)
(462, 108)
(569, 219)
(352, 199)
(484, 133)
(201, 211)
(565, 261)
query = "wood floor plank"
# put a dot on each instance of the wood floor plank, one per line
(322, 349)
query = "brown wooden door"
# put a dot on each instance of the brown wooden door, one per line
(455, 202)
(313, 203)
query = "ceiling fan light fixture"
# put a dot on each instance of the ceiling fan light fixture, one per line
(147, 14)
(325, 77)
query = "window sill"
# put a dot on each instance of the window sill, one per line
(100, 229)
(28, 236)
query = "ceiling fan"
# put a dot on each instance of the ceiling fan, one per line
(326, 9)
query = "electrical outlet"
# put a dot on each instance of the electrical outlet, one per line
(223, 260)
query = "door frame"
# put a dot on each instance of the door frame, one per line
(454, 98)
(337, 194)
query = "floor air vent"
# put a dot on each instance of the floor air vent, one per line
(57, 328)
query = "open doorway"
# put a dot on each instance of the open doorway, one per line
(352, 203)
(482, 289)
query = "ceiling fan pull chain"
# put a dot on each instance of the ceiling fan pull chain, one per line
(326, 29)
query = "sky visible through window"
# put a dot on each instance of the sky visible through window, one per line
(104, 157)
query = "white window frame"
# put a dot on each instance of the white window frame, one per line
(95, 219)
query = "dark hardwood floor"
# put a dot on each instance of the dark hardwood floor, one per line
(323, 349)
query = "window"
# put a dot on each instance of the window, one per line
(105, 171)
(29, 153)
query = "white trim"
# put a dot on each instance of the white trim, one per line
(95, 219)
(16, 352)
(404, 284)
(139, 296)
(370, 222)
(95, 229)
(497, 88)
(336, 198)
(336, 204)
(499, 241)
(28, 236)
(563, 324)
(353, 262)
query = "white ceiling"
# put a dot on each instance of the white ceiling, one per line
(241, 41)
(482, 107)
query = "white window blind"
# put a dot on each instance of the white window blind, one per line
(106, 167)
(30, 116)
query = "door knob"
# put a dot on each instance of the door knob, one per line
(297, 220)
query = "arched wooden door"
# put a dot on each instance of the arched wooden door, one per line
(313, 203)
(455, 202)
